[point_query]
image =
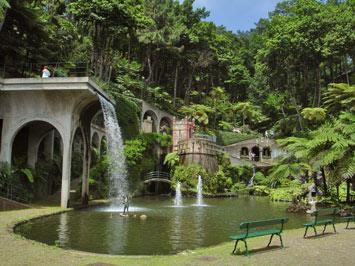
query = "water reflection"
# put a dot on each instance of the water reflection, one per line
(63, 234)
(166, 230)
(116, 237)
(175, 232)
(199, 226)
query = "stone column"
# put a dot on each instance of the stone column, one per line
(65, 193)
(261, 154)
(5, 151)
(86, 172)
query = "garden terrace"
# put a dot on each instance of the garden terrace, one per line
(42, 116)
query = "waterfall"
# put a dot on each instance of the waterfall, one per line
(118, 187)
(251, 181)
(178, 197)
(199, 192)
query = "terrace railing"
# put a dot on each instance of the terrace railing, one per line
(34, 70)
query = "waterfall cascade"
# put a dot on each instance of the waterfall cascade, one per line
(117, 171)
(178, 197)
(251, 181)
(199, 192)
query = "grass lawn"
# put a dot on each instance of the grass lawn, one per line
(331, 249)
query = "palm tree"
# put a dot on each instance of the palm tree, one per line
(249, 112)
(340, 97)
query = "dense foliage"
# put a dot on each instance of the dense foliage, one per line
(290, 75)
(166, 52)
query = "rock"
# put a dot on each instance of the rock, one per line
(297, 207)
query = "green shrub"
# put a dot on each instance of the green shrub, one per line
(128, 116)
(261, 179)
(261, 190)
(188, 177)
(239, 187)
(99, 179)
(225, 138)
(221, 182)
(287, 193)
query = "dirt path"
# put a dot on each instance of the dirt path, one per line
(330, 249)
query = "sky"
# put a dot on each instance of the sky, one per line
(237, 14)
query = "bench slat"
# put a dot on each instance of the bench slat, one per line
(325, 212)
(253, 224)
(256, 234)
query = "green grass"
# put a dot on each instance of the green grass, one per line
(226, 138)
(335, 249)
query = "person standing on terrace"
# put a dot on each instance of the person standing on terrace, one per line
(45, 72)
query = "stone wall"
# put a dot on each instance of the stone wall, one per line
(8, 205)
(199, 151)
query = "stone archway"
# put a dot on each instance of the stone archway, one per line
(38, 144)
(65, 103)
(244, 152)
(103, 146)
(255, 154)
(165, 125)
(150, 122)
(266, 153)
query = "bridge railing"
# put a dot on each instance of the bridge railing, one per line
(156, 174)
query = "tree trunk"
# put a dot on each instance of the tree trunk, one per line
(150, 69)
(188, 90)
(176, 83)
(305, 86)
(299, 117)
(315, 181)
(325, 187)
(347, 191)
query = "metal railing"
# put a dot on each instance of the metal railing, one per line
(14, 192)
(212, 138)
(157, 174)
(56, 69)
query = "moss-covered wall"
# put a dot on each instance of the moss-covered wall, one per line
(128, 113)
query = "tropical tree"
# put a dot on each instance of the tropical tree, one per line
(314, 114)
(249, 112)
(172, 160)
(199, 112)
(340, 97)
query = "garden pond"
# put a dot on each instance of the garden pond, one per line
(166, 230)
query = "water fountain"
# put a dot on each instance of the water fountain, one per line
(199, 192)
(117, 170)
(178, 197)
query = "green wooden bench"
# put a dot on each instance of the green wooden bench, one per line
(350, 218)
(322, 217)
(259, 228)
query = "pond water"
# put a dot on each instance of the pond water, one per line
(167, 230)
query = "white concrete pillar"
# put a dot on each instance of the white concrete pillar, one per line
(5, 152)
(261, 154)
(66, 169)
(86, 172)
